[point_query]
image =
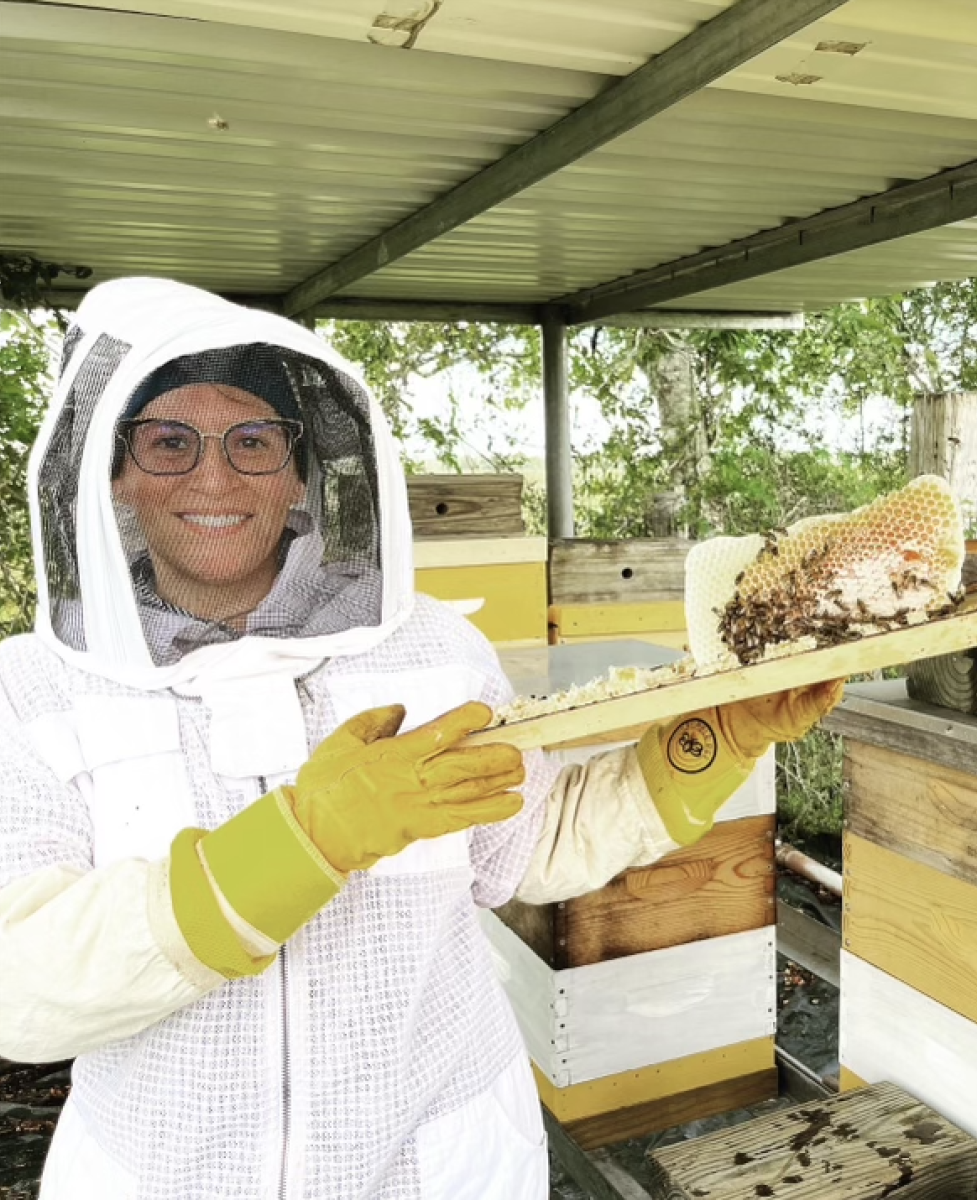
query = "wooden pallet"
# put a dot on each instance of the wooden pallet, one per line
(863, 1145)
(626, 717)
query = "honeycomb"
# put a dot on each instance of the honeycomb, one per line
(827, 579)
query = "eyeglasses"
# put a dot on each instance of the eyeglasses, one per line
(174, 448)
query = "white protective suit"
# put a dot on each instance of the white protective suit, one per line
(378, 1058)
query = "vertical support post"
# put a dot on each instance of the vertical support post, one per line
(559, 462)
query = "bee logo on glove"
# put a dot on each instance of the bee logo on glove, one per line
(692, 746)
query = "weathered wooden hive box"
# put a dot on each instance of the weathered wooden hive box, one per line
(867, 1145)
(618, 589)
(466, 505)
(652, 1001)
(909, 954)
(950, 681)
(470, 546)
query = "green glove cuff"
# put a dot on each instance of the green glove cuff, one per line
(690, 770)
(268, 870)
(206, 929)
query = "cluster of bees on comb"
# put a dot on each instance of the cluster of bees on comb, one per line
(838, 579)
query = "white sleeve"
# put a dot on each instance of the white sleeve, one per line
(89, 957)
(599, 820)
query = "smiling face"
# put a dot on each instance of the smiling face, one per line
(213, 534)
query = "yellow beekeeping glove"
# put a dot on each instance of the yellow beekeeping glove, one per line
(693, 765)
(364, 794)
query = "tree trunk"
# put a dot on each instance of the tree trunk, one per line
(683, 437)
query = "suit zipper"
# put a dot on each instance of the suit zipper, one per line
(286, 1078)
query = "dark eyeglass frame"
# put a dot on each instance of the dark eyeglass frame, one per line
(294, 430)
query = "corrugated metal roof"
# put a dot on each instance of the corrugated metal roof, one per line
(115, 152)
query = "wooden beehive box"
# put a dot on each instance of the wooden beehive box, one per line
(601, 590)
(651, 1001)
(950, 680)
(506, 575)
(909, 957)
(864, 1146)
(466, 505)
(723, 884)
(470, 548)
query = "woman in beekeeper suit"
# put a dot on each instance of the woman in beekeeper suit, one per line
(243, 842)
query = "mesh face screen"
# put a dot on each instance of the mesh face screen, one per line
(58, 485)
(217, 551)
(71, 340)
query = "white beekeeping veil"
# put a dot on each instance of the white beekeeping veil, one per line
(146, 350)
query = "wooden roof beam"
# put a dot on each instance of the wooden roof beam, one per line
(717, 47)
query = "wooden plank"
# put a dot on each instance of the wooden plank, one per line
(663, 1081)
(693, 1105)
(809, 943)
(616, 620)
(915, 923)
(635, 571)
(464, 505)
(888, 1030)
(919, 809)
(514, 596)
(724, 884)
(881, 714)
(862, 1145)
(585, 1023)
(627, 717)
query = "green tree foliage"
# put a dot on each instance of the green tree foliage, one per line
(24, 357)
(754, 458)
(391, 355)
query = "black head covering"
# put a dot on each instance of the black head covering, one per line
(257, 369)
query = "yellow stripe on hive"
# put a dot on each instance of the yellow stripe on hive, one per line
(594, 620)
(596, 1096)
(913, 922)
(848, 1081)
(514, 595)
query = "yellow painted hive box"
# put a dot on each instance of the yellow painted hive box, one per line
(502, 579)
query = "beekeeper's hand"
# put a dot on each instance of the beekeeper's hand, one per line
(244, 888)
(693, 765)
(366, 794)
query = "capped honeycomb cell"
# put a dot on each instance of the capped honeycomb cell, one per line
(826, 579)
